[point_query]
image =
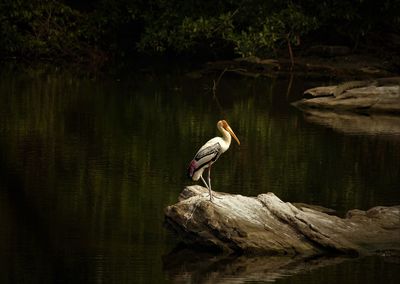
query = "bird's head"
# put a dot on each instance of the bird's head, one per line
(225, 125)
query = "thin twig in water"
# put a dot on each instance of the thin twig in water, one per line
(289, 88)
(216, 83)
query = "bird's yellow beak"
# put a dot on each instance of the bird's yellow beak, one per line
(229, 129)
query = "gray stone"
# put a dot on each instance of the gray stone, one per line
(356, 96)
(267, 225)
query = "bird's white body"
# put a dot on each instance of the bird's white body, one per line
(210, 159)
(210, 152)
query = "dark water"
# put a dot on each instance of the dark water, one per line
(88, 165)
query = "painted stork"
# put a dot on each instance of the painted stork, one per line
(209, 153)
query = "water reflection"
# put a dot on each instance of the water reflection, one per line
(357, 124)
(188, 266)
(87, 166)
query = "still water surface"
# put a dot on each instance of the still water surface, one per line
(88, 165)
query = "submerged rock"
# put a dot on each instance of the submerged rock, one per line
(267, 225)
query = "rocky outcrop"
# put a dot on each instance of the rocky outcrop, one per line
(371, 96)
(267, 225)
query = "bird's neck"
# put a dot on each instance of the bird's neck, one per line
(226, 136)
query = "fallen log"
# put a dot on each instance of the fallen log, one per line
(267, 225)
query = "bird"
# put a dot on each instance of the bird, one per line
(209, 153)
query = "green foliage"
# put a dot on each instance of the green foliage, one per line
(278, 28)
(71, 29)
(351, 20)
(39, 28)
(189, 34)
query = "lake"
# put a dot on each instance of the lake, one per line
(88, 164)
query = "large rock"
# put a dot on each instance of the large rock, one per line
(267, 225)
(374, 96)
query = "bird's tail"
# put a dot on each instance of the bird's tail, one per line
(192, 167)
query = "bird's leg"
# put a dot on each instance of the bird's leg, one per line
(209, 184)
(204, 182)
(209, 181)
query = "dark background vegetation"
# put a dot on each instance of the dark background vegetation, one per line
(104, 30)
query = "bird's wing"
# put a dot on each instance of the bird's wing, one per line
(208, 153)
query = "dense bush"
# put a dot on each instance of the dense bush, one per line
(100, 28)
(39, 28)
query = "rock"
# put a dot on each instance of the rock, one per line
(319, 208)
(340, 89)
(267, 225)
(358, 96)
(325, 91)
